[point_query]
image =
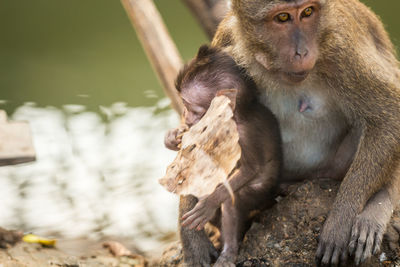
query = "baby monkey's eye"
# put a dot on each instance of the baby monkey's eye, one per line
(307, 12)
(283, 17)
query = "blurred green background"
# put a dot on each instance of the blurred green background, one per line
(55, 52)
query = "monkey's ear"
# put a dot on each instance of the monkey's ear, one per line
(231, 94)
(262, 59)
(204, 51)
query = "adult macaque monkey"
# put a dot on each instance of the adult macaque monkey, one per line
(330, 75)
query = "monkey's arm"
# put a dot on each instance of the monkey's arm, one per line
(372, 168)
(205, 209)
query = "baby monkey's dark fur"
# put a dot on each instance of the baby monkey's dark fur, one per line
(213, 73)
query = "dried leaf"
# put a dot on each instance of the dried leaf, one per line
(210, 151)
(117, 249)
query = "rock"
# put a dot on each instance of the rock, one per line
(287, 234)
(9, 238)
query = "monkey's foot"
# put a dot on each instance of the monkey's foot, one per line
(225, 261)
(366, 237)
(333, 241)
(392, 235)
(201, 214)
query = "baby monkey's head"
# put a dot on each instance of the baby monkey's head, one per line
(211, 71)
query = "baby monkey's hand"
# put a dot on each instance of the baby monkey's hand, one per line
(173, 138)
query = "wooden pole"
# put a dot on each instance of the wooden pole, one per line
(15, 142)
(158, 45)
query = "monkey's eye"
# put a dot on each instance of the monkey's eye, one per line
(307, 12)
(283, 17)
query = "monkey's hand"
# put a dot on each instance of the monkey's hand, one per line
(173, 138)
(369, 227)
(366, 237)
(334, 239)
(202, 213)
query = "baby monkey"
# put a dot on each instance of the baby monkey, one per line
(208, 75)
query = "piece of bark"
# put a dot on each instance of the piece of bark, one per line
(210, 151)
(117, 249)
(15, 142)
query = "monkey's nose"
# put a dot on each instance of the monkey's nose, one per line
(301, 53)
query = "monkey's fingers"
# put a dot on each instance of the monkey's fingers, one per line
(186, 222)
(190, 221)
(353, 239)
(377, 243)
(344, 257)
(192, 212)
(329, 254)
(366, 238)
(179, 136)
(318, 256)
(326, 259)
(360, 246)
(396, 226)
(196, 224)
(335, 257)
(392, 236)
(368, 246)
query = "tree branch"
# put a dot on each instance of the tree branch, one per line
(209, 13)
(158, 45)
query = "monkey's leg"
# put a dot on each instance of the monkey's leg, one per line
(206, 207)
(232, 224)
(370, 225)
(235, 220)
(196, 247)
(372, 169)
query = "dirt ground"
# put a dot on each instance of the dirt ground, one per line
(86, 254)
(287, 234)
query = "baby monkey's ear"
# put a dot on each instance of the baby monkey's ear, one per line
(231, 94)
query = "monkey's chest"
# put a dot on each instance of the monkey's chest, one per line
(311, 129)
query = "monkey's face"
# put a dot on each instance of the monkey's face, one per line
(196, 103)
(283, 34)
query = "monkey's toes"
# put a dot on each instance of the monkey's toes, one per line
(366, 238)
(331, 254)
(392, 235)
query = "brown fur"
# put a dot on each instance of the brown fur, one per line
(211, 73)
(353, 132)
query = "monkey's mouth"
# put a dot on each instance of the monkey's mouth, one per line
(296, 77)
